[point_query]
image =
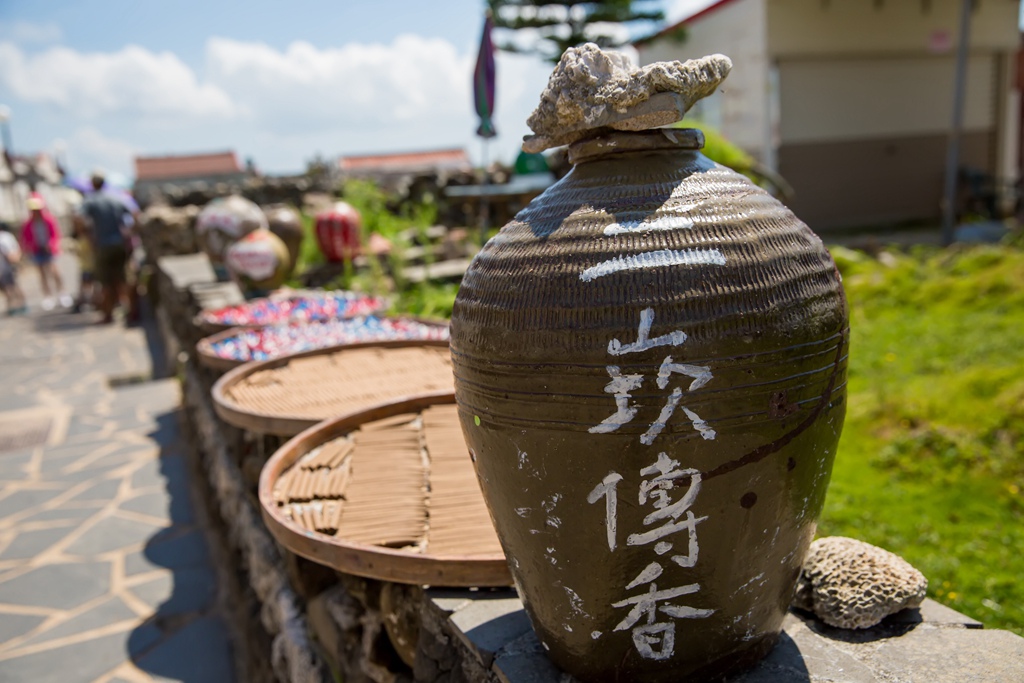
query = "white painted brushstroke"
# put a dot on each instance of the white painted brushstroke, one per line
(665, 222)
(575, 602)
(595, 634)
(700, 425)
(654, 259)
(643, 341)
(647, 602)
(650, 573)
(669, 528)
(606, 490)
(759, 576)
(522, 458)
(686, 612)
(701, 374)
(620, 386)
(648, 437)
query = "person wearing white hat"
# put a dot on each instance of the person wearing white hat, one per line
(41, 238)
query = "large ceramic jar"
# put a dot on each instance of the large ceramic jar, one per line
(259, 262)
(285, 222)
(650, 365)
(224, 221)
(339, 232)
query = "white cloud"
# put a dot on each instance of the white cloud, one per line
(279, 106)
(413, 93)
(677, 10)
(132, 79)
(397, 84)
(89, 149)
(27, 32)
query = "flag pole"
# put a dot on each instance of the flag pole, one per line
(483, 101)
(485, 200)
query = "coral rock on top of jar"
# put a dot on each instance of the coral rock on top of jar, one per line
(650, 366)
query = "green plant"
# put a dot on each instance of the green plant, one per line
(931, 461)
(400, 228)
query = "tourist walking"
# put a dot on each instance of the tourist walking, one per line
(109, 219)
(10, 256)
(41, 239)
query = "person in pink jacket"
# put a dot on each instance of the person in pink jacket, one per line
(41, 240)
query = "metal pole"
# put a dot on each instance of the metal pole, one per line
(953, 151)
(5, 129)
(485, 206)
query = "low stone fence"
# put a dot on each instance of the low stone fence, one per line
(296, 621)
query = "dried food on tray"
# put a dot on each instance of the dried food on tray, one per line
(274, 341)
(319, 386)
(294, 307)
(403, 482)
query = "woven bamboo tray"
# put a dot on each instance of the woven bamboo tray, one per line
(388, 493)
(285, 396)
(208, 358)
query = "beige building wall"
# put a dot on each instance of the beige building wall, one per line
(740, 110)
(866, 100)
(854, 98)
(804, 28)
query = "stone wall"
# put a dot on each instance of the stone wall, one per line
(296, 621)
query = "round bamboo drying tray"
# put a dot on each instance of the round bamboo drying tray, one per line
(284, 396)
(208, 358)
(387, 493)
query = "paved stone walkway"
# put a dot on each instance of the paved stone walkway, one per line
(105, 575)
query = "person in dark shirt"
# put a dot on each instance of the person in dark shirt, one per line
(109, 219)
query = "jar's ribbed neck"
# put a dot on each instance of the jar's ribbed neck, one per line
(619, 142)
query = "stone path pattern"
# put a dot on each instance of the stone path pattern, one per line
(105, 575)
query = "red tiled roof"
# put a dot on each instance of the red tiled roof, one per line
(443, 158)
(679, 24)
(160, 168)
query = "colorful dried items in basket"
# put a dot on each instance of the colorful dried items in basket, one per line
(281, 340)
(298, 308)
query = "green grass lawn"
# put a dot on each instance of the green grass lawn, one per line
(931, 461)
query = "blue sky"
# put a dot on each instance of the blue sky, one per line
(278, 82)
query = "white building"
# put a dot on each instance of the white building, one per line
(20, 176)
(851, 100)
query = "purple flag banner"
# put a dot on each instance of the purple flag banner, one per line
(483, 83)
